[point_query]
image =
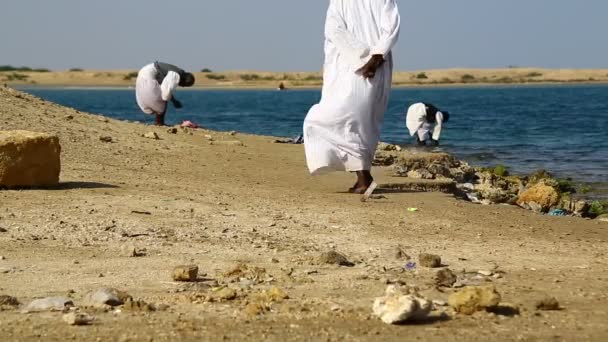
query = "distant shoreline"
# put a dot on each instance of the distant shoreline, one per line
(121, 79)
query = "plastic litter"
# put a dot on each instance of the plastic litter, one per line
(410, 266)
(412, 210)
(558, 212)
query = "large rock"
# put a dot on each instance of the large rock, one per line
(396, 307)
(540, 197)
(473, 299)
(29, 159)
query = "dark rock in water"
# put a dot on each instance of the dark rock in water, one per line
(445, 278)
(429, 260)
(334, 258)
(547, 304)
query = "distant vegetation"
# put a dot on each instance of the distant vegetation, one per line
(216, 77)
(76, 70)
(250, 77)
(16, 77)
(23, 69)
(534, 74)
(130, 76)
(422, 76)
(313, 78)
(467, 78)
(206, 70)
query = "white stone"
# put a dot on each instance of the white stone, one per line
(49, 304)
(396, 307)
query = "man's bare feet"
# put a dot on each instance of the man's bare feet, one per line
(364, 180)
(160, 119)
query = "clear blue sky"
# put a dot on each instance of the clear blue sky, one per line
(286, 35)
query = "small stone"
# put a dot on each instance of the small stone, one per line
(77, 318)
(130, 251)
(151, 135)
(445, 278)
(105, 139)
(172, 130)
(232, 133)
(395, 307)
(274, 260)
(185, 273)
(2, 257)
(399, 254)
(602, 218)
(440, 303)
(107, 296)
(160, 307)
(334, 258)
(208, 137)
(8, 301)
(225, 294)
(547, 304)
(69, 117)
(3, 230)
(49, 304)
(429, 260)
(137, 306)
(472, 299)
(485, 273)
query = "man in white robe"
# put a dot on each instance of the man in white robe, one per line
(155, 85)
(341, 133)
(425, 121)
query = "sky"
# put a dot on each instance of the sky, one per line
(287, 35)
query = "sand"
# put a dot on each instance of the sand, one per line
(262, 79)
(180, 200)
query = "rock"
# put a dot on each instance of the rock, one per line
(29, 159)
(472, 299)
(151, 135)
(603, 218)
(576, 207)
(399, 253)
(492, 193)
(396, 307)
(137, 306)
(3, 230)
(172, 130)
(485, 273)
(8, 301)
(334, 258)
(420, 174)
(49, 304)
(224, 294)
(185, 273)
(105, 139)
(445, 278)
(547, 304)
(429, 260)
(107, 296)
(387, 147)
(77, 318)
(131, 251)
(538, 196)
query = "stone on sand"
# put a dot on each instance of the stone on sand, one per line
(334, 258)
(547, 304)
(429, 260)
(396, 307)
(445, 278)
(540, 197)
(603, 218)
(107, 296)
(151, 135)
(185, 273)
(29, 159)
(77, 318)
(8, 301)
(475, 298)
(49, 304)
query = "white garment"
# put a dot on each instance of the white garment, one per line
(341, 133)
(416, 122)
(152, 97)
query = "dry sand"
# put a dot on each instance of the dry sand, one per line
(220, 205)
(261, 79)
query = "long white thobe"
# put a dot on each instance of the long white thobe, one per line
(417, 124)
(152, 97)
(341, 133)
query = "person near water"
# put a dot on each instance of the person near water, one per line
(155, 87)
(341, 132)
(424, 122)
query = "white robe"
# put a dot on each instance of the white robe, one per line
(341, 133)
(417, 124)
(152, 97)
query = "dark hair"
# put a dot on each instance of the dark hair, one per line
(446, 116)
(186, 80)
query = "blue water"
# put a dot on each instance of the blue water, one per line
(559, 128)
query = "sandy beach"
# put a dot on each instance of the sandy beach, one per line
(240, 204)
(263, 79)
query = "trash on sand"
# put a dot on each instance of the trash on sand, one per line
(558, 212)
(369, 192)
(189, 124)
(412, 210)
(410, 266)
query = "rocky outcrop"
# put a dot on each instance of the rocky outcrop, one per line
(29, 159)
(539, 198)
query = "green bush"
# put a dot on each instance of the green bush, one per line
(598, 208)
(501, 170)
(130, 76)
(467, 78)
(216, 77)
(16, 77)
(250, 77)
(206, 70)
(585, 189)
(566, 186)
(422, 76)
(76, 70)
(23, 68)
(313, 78)
(534, 74)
